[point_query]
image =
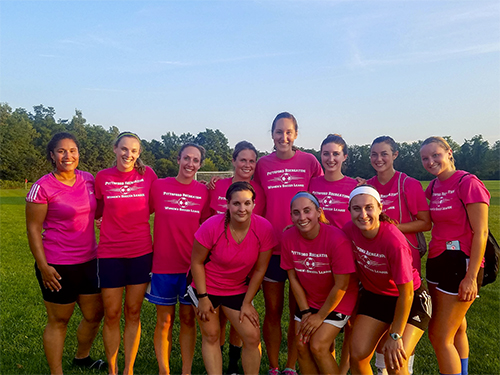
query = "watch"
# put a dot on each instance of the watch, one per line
(395, 336)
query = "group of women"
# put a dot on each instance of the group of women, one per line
(349, 250)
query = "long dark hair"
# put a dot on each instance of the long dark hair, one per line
(54, 141)
(289, 116)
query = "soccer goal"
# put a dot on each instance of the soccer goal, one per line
(207, 175)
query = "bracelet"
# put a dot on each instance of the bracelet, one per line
(202, 295)
(306, 311)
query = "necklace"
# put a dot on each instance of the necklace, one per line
(236, 237)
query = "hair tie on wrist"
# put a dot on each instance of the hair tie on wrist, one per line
(306, 311)
(202, 295)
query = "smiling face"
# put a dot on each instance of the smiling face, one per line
(305, 216)
(127, 152)
(382, 157)
(284, 134)
(365, 212)
(189, 163)
(65, 156)
(332, 157)
(436, 160)
(240, 206)
(244, 165)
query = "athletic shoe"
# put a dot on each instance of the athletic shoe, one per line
(289, 371)
(90, 364)
(274, 371)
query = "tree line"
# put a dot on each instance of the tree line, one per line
(24, 136)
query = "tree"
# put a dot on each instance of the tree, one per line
(217, 147)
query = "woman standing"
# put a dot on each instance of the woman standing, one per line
(244, 159)
(239, 246)
(403, 200)
(125, 250)
(459, 210)
(282, 174)
(393, 307)
(62, 205)
(319, 261)
(180, 205)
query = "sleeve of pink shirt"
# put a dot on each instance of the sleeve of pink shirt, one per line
(472, 190)
(98, 193)
(37, 194)
(399, 257)
(205, 212)
(205, 235)
(415, 196)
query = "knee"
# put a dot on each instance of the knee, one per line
(211, 337)
(165, 321)
(132, 314)
(319, 350)
(112, 316)
(356, 354)
(252, 340)
(58, 321)
(187, 320)
(302, 348)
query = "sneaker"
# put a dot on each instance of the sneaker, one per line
(90, 364)
(289, 371)
(274, 371)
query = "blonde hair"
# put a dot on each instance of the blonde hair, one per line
(441, 142)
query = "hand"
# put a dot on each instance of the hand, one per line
(213, 181)
(361, 181)
(205, 307)
(309, 324)
(247, 310)
(394, 353)
(467, 290)
(50, 278)
(98, 223)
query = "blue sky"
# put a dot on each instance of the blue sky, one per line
(409, 69)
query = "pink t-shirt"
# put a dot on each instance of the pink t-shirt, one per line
(179, 211)
(448, 213)
(281, 180)
(333, 197)
(317, 261)
(125, 230)
(68, 236)
(218, 203)
(383, 262)
(230, 263)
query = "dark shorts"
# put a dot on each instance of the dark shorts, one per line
(274, 273)
(447, 270)
(76, 279)
(119, 272)
(382, 307)
(335, 319)
(166, 289)
(232, 302)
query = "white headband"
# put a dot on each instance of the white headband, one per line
(364, 189)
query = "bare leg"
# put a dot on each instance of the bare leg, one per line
(187, 337)
(292, 349)
(306, 361)
(366, 334)
(112, 299)
(250, 335)
(320, 346)
(55, 334)
(134, 295)
(210, 340)
(344, 357)
(274, 299)
(92, 311)
(165, 316)
(461, 340)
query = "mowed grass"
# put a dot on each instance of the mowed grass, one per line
(23, 317)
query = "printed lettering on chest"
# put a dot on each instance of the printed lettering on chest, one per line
(182, 202)
(442, 201)
(287, 177)
(311, 263)
(373, 262)
(124, 189)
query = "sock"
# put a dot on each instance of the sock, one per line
(234, 357)
(379, 361)
(410, 364)
(465, 366)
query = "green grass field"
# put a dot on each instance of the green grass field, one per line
(22, 313)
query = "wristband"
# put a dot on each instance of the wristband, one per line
(306, 311)
(202, 295)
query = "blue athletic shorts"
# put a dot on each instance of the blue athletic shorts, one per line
(119, 272)
(167, 289)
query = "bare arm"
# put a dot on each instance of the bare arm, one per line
(395, 348)
(478, 218)
(198, 257)
(423, 223)
(35, 216)
(247, 309)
